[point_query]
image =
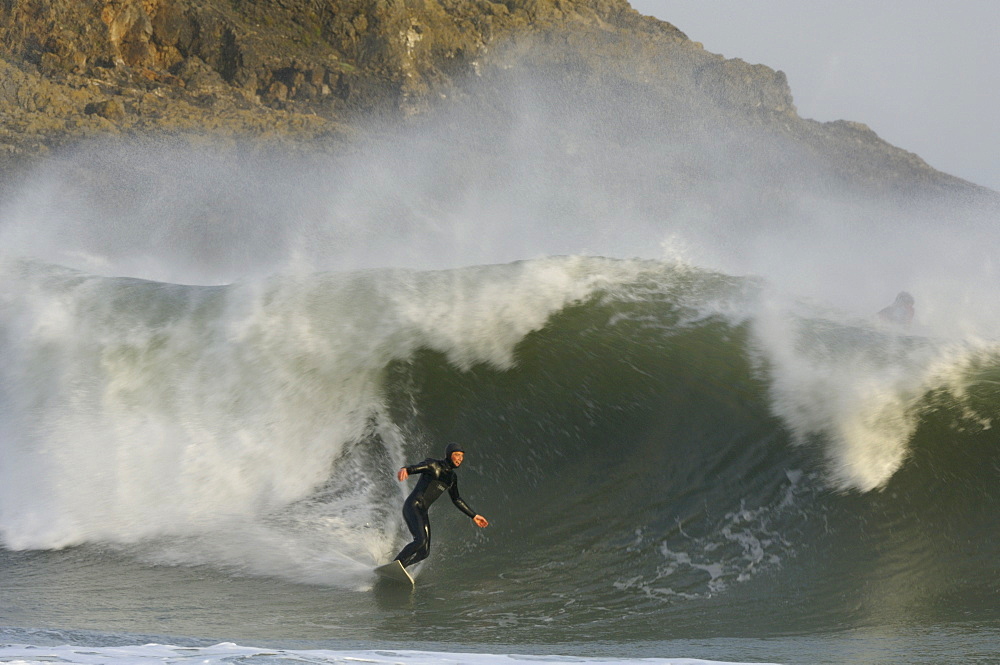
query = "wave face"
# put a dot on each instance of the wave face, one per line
(651, 442)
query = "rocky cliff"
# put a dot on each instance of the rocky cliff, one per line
(73, 68)
(307, 74)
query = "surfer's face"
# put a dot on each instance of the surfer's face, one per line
(456, 459)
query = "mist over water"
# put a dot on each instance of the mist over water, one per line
(423, 198)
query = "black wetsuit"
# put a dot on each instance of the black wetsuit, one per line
(436, 476)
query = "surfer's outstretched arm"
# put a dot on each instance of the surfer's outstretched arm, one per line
(460, 503)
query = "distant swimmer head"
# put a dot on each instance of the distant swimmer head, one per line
(900, 312)
(451, 450)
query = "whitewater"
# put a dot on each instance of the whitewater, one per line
(694, 438)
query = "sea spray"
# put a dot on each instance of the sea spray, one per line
(138, 409)
(850, 387)
(856, 387)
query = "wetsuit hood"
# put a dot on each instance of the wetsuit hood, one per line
(452, 448)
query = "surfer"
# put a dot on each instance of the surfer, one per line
(436, 476)
(900, 312)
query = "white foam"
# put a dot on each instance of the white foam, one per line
(139, 411)
(227, 652)
(854, 387)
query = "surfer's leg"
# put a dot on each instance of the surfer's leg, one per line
(420, 527)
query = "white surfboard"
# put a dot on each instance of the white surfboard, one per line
(395, 572)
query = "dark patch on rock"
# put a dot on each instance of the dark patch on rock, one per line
(111, 109)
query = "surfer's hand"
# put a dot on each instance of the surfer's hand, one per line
(403, 474)
(480, 521)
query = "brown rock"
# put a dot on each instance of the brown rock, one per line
(199, 78)
(110, 109)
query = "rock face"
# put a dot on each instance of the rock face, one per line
(305, 56)
(304, 72)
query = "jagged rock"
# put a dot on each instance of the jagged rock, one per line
(198, 77)
(110, 109)
(326, 53)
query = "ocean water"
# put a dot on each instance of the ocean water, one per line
(187, 464)
(692, 436)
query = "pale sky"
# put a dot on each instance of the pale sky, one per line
(923, 74)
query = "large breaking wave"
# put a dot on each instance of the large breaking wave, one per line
(642, 434)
